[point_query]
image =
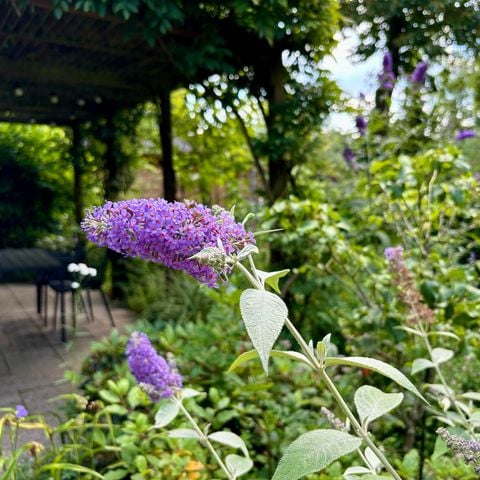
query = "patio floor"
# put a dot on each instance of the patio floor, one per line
(32, 357)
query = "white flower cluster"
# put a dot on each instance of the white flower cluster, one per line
(83, 270)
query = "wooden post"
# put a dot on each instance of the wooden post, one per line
(165, 129)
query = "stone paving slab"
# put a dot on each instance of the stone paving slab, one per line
(32, 357)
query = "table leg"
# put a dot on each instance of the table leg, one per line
(39, 298)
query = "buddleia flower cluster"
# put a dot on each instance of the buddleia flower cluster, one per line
(468, 449)
(155, 375)
(168, 233)
(408, 293)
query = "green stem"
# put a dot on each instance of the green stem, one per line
(317, 365)
(205, 440)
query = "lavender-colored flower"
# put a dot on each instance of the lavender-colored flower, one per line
(168, 233)
(361, 124)
(387, 77)
(464, 134)
(468, 449)
(419, 74)
(388, 62)
(21, 412)
(394, 254)
(155, 375)
(350, 158)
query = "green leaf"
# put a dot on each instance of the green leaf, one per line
(264, 315)
(313, 451)
(411, 330)
(238, 465)
(377, 366)
(272, 278)
(109, 396)
(230, 439)
(471, 396)
(183, 433)
(71, 467)
(246, 251)
(420, 364)
(444, 334)
(441, 355)
(372, 403)
(190, 393)
(251, 354)
(167, 411)
(136, 396)
(115, 474)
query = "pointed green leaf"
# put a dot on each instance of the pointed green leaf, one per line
(272, 278)
(411, 330)
(313, 451)
(441, 355)
(238, 465)
(420, 364)
(190, 393)
(183, 433)
(377, 366)
(372, 403)
(167, 411)
(251, 354)
(444, 334)
(264, 315)
(230, 439)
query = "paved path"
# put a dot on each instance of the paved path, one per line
(32, 357)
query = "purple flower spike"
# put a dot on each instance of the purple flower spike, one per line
(419, 74)
(394, 254)
(168, 233)
(464, 134)
(350, 158)
(388, 62)
(21, 412)
(361, 124)
(387, 77)
(155, 375)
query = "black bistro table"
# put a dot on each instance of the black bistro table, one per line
(30, 264)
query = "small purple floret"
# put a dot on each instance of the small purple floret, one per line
(350, 158)
(167, 233)
(21, 412)
(158, 377)
(394, 254)
(387, 76)
(361, 124)
(388, 62)
(419, 74)
(464, 134)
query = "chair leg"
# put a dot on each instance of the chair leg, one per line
(45, 303)
(55, 312)
(90, 305)
(107, 307)
(63, 333)
(39, 298)
(74, 310)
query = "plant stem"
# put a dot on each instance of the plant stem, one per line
(317, 365)
(205, 440)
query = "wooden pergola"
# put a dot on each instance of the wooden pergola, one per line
(82, 66)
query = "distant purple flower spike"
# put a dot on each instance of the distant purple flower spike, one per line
(168, 233)
(155, 375)
(21, 412)
(361, 124)
(350, 158)
(419, 74)
(388, 62)
(394, 254)
(464, 134)
(386, 76)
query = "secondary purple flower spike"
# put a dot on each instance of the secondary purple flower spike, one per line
(387, 77)
(155, 375)
(21, 412)
(419, 74)
(350, 158)
(361, 124)
(168, 233)
(394, 254)
(464, 134)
